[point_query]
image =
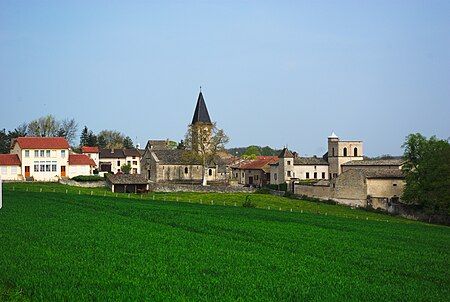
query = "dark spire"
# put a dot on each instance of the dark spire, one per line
(201, 114)
(285, 153)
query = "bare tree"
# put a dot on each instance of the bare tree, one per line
(203, 141)
(68, 129)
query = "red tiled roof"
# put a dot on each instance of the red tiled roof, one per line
(9, 160)
(80, 159)
(42, 142)
(260, 163)
(86, 149)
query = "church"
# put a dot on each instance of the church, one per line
(160, 163)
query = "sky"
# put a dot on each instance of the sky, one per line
(276, 73)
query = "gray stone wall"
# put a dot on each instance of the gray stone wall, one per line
(164, 187)
(83, 184)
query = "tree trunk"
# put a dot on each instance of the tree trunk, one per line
(204, 181)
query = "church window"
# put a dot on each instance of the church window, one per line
(355, 152)
(332, 152)
(345, 151)
(186, 170)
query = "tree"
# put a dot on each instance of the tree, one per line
(111, 139)
(427, 173)
(5, 142)
(68, 129)
(128, 143)
(267, 151)
(125, 168)
(84, 136)
(203, 141)
(252, 152)
(46, 126)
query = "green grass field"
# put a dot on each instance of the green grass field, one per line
(88, 245)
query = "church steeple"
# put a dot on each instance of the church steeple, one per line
(201, 114)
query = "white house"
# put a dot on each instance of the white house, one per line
(42, 158)
(10, 168)
(80, 164)
(93, 153)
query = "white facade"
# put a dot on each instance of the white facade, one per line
(11, 172)
(43, 164)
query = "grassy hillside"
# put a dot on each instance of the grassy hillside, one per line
(77, 246)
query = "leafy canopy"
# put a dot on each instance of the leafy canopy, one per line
(427, 173)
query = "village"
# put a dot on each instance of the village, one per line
(342, 174)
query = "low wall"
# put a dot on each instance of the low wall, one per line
(409, 212)
(321, 192)
(164, 187)
(326, 193)
(83, 184)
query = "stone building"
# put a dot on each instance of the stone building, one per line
(291, 167)
(256, 172)
(160, 163)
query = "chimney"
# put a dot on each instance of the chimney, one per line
(295, 155)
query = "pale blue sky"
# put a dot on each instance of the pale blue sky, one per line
(273, 72)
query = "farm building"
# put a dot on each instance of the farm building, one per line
(126, 183)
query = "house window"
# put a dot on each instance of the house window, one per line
(242, 174)
(134, 157)
(210, 172)
(256, 177)
(129, 162)
(36, 153)
(36, 167)
(13, 170)
(42, 167)
(307, 175)
(118, 163)
(135, 162)
(332, 152)
(289, 173)
(63, 153)
(186, 170)
(315, 175)
(275, 176)
(53, 166)
(355, 152)
(47, 167)
(289, 162)
(27, 153)
(47, 153)
(323, 175)
(4, 171)
(134, 170)
(345, 151)
(394, 185)
(42, 153)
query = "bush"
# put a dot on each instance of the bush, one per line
(87, 178)
(248, 203)
(280, 187)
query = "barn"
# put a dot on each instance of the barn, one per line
(127, 183)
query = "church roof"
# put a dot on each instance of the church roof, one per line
(310, 161)
(201, 114)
